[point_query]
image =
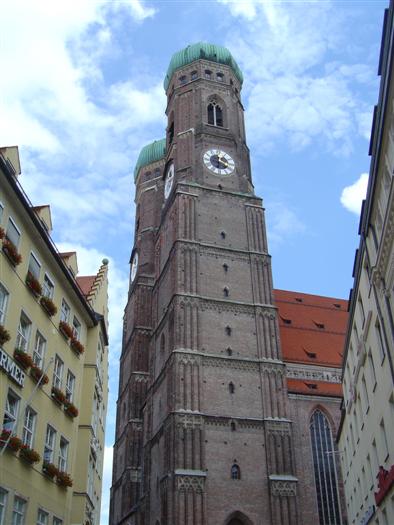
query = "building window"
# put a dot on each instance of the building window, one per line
(384, 441)
(58, 373)
(34, 266)
(18, 511)
(23, 335)
(63, 452)
(228, 330)
(231, 387)
(65, 312)
(365, 394)
(162, 343)
(39, 350)
(183, 79)
(49, 447)
(28, 427)
(13, 233)
(226, 291)
(3, 305)
(48, 287)
(11, 412)
(3, 505)
(229, 351)
(324, 469)
(57, 521)
(171, 133)
(362, 312)
(70, 384)
(225, 267)
(76, 328)
(42, 517)
(235, 472)
(372, 368)
(379, 335)
(193, 75)
(215, 114)
(208, 74)
(220, 77)
(223, 234)
(1, 217)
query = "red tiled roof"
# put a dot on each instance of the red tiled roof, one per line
(312, 328)
(85, 283)
(315, 388)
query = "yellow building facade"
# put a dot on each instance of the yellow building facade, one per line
(366, 432)
(53, 368)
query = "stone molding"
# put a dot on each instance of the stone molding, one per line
(282, 428)
(316, 374)
(189, 420)
(283, 486)
(190, 482)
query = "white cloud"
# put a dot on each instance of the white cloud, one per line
(353, 195)
(107, 482)
(292, 92)
(283, 223)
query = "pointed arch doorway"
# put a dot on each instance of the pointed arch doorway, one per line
(238, 518)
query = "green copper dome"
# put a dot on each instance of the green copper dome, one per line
(150, 153)
(205, 51)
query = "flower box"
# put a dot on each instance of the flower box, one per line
(11, 252)
(77, 346)
(50, 469)
(23, 358)
(37, 374)
(58, 395)
(63, 479)
(13, 444)
(48, 305)
(33, 284)
(29, 454)
(2, 233)
(4, 335)
(66, 329)
(70, 409)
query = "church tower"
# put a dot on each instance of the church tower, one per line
(203, 435)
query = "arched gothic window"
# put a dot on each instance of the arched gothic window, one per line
(231, 387)
(215, 114)
(235, 472)
(325, 469)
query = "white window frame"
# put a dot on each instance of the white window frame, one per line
(57, 521)
(29, 426)
(65, 311)
(10, 412)
(58, 370)
(23, 337)
(4, 297)
(31, 269)
(3, 503)
(1, 219)
(70, 385)
(63, 454)
(42, 517)
(39, 349)
(50, 444)
(11, 220)
(76, 327)
(18, 513)
(48, 291)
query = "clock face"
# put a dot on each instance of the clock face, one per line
(169, 180)
(219, 162)
(134, 267)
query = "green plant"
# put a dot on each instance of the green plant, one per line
(4, 335)
(70, 409)
(64, 479)
(29, 454)
(66, 329)
(33, 284)
(77, 346)
(14, 442)
(37, 374)
(49, 305)
(58, 395)
(23, 358)
(12, 253)
(50, 469)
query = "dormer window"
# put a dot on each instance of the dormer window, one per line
(208, 74)
(183, 79)
(193, 75)
(220, 77)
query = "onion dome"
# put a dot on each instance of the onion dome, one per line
(150, 153)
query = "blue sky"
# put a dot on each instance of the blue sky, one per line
(81, 93)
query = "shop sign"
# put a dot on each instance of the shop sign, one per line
(11, 368)
(385, 482)
(368, 515)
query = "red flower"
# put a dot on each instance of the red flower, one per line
(48, 305)
(23, 358)
(12, 253)
(77, 346)
(4, 335)
(66, 329)
(64, 479)
(29, 454)
(37, 374)
(33, 284)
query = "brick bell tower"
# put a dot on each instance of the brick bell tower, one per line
(202, 435)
